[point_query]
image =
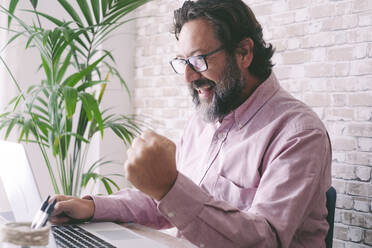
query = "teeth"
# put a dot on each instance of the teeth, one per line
(204, 91)
(204, 88)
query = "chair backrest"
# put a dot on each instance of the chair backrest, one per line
(331, 206)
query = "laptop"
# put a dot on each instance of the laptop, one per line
(24, 198)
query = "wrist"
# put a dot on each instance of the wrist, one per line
(89, 208)
(92, 208)
(167, 188)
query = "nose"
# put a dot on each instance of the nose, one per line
(191, 75)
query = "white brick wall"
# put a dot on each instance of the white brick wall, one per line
(323, 57)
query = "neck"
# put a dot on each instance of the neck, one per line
(250, 85)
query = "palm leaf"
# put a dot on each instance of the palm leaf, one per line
(84, 7)
(62, 70)
(89, 84)
(96, 9)
(50, 18)
(43, 111)
(86, 106)
(76, 77)
(10, 127)
(112, 181)
(71, 11)
(11, 9)
(75, 135)
(104, 6)
(70, 97)
(30, 30)
(118, 75)
(93, 105)
(47, 69)
(13, 38)
(122, 8)
(17, 100)
(34, 3)
(32, 36)
(106, 184)
(74, 33)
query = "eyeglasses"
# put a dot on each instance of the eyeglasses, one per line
(197, 63)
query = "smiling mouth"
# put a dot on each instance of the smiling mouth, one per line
(205, 92)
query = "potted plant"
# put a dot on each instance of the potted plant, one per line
(62, 113)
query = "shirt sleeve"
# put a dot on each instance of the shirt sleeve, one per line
(284, 194)
(129, 205)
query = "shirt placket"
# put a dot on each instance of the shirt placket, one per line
(218, 140)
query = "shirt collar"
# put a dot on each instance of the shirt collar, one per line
(244, 113)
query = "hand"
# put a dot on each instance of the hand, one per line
(71, 209)
(151, 164)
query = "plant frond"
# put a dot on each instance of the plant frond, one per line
(12, 6)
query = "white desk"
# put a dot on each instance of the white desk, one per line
(153, 234)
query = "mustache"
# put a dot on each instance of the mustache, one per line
(202, 82)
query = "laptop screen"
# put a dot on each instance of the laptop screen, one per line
(18, 181)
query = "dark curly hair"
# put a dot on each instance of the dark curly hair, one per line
(232, 21)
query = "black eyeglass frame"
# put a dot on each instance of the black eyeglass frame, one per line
(203, 56)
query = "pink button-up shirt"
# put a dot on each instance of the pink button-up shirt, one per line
(257, 179)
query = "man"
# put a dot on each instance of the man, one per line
(254, 164)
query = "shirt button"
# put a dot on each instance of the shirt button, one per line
(240, 125)
(201, 246)
(221, 135)
(171, 214)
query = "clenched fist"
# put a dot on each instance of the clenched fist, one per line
(151, 164)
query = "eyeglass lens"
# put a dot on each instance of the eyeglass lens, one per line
(197, 62)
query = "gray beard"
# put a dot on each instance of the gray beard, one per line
(227, 93)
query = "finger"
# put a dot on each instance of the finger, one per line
(59, 220)
(60, 198)
(57, 210)
(63, 207)
(167, 141)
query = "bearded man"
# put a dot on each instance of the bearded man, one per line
(254, 164)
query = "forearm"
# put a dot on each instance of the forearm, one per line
(129, 205)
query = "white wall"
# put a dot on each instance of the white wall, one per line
(22, 65)
(4, 205)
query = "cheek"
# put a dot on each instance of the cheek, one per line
(216, 70)
(212, 75)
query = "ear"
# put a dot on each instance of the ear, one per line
(244, 53)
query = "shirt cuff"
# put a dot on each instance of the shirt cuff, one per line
(183, 202)
(102, 207)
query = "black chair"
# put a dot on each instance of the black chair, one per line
(331, 206)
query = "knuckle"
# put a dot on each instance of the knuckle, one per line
(135, 142)
(148, 134)
(129, 167)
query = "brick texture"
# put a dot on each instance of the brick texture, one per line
(323, 57)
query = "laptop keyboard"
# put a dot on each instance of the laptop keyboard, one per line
(72, 236)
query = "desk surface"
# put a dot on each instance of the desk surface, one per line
(149, 233)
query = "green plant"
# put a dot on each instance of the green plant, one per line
(62, 112)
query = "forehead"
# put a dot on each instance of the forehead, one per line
(196, 36)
